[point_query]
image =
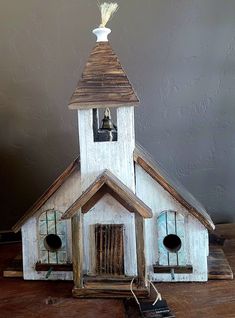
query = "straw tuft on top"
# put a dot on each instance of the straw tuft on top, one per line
(107, 10)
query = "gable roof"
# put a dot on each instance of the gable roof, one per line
(103, 82)
(108, 183)
(154, 169)
(47, 194)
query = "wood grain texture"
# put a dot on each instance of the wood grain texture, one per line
(77, 246)
(103, 82)
(107, 293)
(65, 195)
(47, 194)
(98, 156)
(195, 237)
(118, 158)
(122, 191)
(85, 197)
(94, 199)
(55, 267)
(49, 223)
(31, 255)
(177, 269)
(225, 231)
(47, 299)
(109, 249)
(110, 291)
(140, 250)
(110, 211)
(145, 161)
(106, 279)
(194, 300)
(14, 268)
(171, 222)
(218, 266)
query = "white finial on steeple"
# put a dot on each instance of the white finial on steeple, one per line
(107, 10)
(102, 34)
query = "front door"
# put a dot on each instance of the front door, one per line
(109, 251)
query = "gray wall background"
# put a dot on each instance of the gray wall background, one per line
(180, 57)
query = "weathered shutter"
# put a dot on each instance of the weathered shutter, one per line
(109, 249)
(50, 223)
(171, 222)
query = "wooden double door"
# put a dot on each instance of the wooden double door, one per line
(109, 250)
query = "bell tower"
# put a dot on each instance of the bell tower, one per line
(104, 95)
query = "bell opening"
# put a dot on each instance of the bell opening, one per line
(104, 124)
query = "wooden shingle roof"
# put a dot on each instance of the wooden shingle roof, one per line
(103, 82)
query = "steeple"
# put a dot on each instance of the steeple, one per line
(103, 81)
(105, 100)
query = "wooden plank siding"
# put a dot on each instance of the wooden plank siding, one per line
(196, 235)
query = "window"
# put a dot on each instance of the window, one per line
(52, 238)
(105, 129)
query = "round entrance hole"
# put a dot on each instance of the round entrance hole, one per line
(172, 243)
(52, 242)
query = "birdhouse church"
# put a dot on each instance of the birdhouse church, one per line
(114, 215)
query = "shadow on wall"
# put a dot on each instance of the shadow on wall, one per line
(30, 158)
(23, 182)
(18, 187)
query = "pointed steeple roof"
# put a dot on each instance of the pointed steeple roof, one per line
(103, 82)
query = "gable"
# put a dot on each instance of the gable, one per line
(174, 188)
(108, 183)
(54, 187)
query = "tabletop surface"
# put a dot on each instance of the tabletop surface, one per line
(22, 299)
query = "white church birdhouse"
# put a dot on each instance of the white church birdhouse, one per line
(114, 214)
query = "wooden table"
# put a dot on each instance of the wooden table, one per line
(23, 299)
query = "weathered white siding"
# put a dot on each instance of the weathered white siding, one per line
(117, 156)
(59, 201)
(110, 211)
(196, 235)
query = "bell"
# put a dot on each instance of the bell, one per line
(106, 121)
